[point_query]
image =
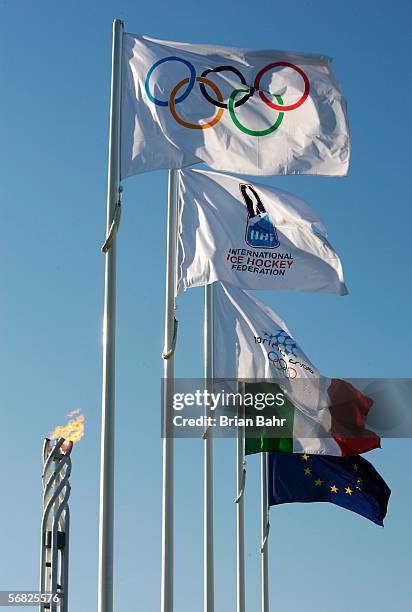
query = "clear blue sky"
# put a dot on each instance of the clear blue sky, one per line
(55, 63)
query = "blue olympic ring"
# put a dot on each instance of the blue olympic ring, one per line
(190, 85)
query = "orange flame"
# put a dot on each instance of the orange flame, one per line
(73, 431)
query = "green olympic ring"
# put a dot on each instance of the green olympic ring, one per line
(243, 128)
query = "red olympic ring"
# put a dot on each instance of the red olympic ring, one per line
(290, 375)
(278, 107)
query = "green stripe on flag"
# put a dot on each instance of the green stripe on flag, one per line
(264, 445)
(267, 438)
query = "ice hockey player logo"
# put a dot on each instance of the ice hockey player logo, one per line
(260, 231)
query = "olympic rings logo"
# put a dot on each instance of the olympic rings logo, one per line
(238, 97)
(281, 364)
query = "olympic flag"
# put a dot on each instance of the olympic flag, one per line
(239, 110)
(325, 416)
(252, 236)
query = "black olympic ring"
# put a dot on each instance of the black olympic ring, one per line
(235, 71)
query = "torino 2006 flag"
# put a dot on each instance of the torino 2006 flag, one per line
(326, 416)
(252, 236)
(240, 110)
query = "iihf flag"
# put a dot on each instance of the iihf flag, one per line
(252, 236)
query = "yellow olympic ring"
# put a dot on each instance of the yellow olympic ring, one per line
(196, 126)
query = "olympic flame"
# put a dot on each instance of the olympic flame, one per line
(73, 431)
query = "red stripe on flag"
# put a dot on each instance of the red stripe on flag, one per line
(349, 409)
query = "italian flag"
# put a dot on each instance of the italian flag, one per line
(342, 430)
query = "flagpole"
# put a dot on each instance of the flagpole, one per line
(264, 528)
(106, 519)
(168, 372)
(240, 553)
(208, 580)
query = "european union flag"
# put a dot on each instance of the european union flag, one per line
(349, 482)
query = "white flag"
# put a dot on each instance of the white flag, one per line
(252, 236)
(252, 342)
(240, 110)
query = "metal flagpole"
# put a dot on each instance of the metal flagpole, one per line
(106, 519)
(168, 357)
(240, 556)
(265, 531)
(208, 589)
